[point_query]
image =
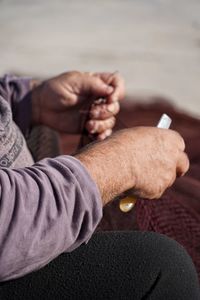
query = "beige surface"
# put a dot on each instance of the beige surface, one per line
(154, 44)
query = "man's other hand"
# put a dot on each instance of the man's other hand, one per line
(144, 159)
(61, 101)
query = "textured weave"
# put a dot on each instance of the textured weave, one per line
(13, 151)
(177, 213)
(172, 217)
(43, 142)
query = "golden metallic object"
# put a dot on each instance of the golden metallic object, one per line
(127, 203)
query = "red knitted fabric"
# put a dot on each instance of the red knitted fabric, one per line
(177, 213)
(170, 215)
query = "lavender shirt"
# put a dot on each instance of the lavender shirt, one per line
(45, 210)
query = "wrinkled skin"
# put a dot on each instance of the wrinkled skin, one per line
(144, 160)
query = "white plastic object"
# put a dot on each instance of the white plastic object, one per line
(164, 122)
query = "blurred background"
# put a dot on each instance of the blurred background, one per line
(155, 44)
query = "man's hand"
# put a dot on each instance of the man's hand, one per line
(144, 159)
(60, 101)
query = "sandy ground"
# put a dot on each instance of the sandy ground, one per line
(155, 44)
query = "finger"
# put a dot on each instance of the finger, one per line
(97, 126)
(117, 82)
(104, 111)
(97, 87)
(157, 196)
(180, 141)
(105, 76)
(104, 135)
(182, 164)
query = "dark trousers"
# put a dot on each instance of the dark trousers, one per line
(113, 265)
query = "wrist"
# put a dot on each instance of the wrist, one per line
(108, 168)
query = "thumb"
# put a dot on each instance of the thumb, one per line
(98, 88)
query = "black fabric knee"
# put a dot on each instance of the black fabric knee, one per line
(113, 265)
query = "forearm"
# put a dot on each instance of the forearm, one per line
(46, 209)
(109, 168)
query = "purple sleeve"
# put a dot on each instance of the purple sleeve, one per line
(49, 208)
(16, 90)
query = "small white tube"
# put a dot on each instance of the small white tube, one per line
(164, 122)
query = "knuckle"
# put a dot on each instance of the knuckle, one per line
(160, 187)
(101, 126)
(158, 196)
(180, 141)
(171, 174)
(152, 195)
(117, 108)
(109, 123)
(113, 120)
(88, 73)
(171, 179)
(186, 163)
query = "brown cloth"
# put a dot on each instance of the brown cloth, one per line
(177, 213)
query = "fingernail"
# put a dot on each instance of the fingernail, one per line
(111, 107)
(92, 131)
(92, 127)
(109, 89)
(94, 113)
(113, 98)
(108, 132)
